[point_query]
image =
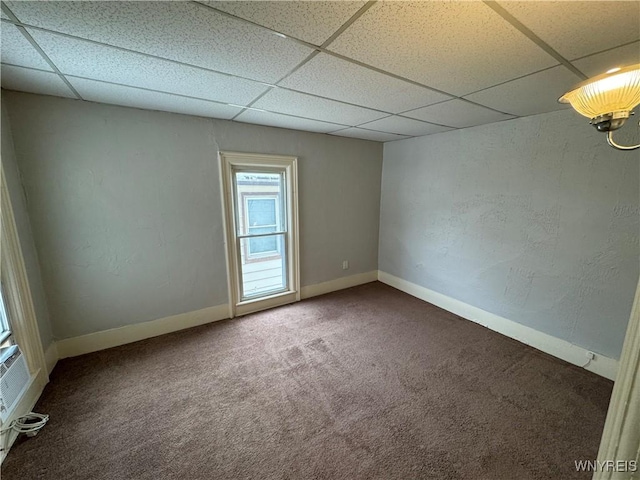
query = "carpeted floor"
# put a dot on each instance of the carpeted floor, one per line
(366, 383)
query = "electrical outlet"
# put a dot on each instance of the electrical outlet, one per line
(345, 264)
(591, 355)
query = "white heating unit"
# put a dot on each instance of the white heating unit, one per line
(14, 379)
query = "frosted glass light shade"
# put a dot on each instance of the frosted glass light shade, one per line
(609, 93)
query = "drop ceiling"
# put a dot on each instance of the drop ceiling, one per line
(381, 71)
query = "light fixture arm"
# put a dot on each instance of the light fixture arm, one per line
(611, 142)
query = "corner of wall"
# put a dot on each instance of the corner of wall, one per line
(51, 356)
(23, 224)
(574, 354)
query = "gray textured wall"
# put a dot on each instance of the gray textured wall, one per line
(24, 230)
(126, 211)
(534, 219)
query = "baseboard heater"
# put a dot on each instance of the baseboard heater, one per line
(14, 379)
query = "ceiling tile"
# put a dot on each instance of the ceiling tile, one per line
(118, 66)
(404, 126)
(368, 135)
(182, 31)
(575, 29)
(617, 57)
(133, 97)
(17, 50)
(456, 47)
(530, 95)
(300, 104)
(332, 77)
(313, 22)
(34, 81)
(284, 121)
(457, 113)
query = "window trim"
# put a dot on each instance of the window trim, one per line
(18, 300)
(235, 160)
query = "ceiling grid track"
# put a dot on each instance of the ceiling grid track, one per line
(323, 49)
(511, 80)
(262, 27)
(271, 87)
(318, 48)
(190, 97)
(348, 23)
(128, 50)
(205, 69)
(504, 14)
(408, 80)
(518, 25)
(306, 60)
(628, 44)
(35, 45)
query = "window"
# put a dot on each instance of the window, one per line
(5, 328)
(17, 318)
(261, 224)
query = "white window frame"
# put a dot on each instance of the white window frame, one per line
(19, 304)
(229, 161)
(21, 314)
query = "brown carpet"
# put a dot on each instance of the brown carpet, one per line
(366, 383)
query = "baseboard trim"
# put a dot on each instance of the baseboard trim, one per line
(338, 284)
(92, 342)
(51, 357)
(601, 365)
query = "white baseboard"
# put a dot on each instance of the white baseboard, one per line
(338, 284)
(24, 406)
(51, 357)
(92, 342)
(601, 365)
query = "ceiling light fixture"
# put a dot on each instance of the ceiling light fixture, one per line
(607, 100)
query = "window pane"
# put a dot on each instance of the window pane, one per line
(259, 202)
(266, 274)
(5, 329)
(262, 219)
(262, 245)
(4, 319)
(262, 211)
